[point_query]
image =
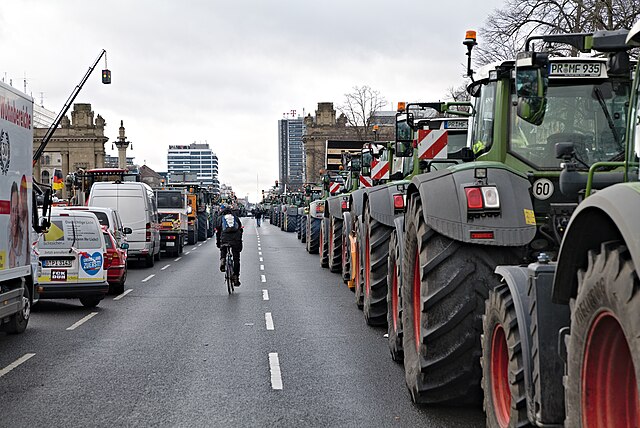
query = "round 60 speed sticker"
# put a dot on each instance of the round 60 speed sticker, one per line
(542, 188)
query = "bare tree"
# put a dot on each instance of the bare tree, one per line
(360, 106)
(506, 29)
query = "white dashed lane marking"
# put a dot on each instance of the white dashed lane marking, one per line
(263, 278)
(259, 253)
(261, 267)
(15, 364)
(82, 321)
(149, 277)
(268, 319)
(178, 259)
(274, 368)
(123, 294)
(164, 267)
(265, 294)
(261, 259)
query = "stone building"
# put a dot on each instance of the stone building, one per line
(325, 126)
(77, 143)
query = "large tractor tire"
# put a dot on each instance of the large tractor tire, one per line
(203, 225)
(211, 229)
(192, 236)
(376, 253)
(359, 285)
(394, 300)
(603, 362)
(505, 400)
(335, 244)
(324, 242)
(18, 322)
(292, 223)
(313, 235)
(282, 222)
(303, 229)
(346, 248)
(299, 226)
(444, 286)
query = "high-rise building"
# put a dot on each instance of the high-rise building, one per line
(291, 153)
(197, 159)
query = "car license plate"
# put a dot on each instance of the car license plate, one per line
(58, 275)
(56, 263)
(171, 244)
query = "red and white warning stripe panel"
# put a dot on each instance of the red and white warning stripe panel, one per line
(334, 187)
(379, 170)
(432, 144)
(365, 181)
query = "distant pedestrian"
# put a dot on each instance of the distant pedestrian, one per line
(258, 216)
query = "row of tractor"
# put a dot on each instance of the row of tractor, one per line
(495, 239)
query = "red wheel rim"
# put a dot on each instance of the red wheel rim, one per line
(609, 389)
(417, 302)
(367, 267)
(500, 391)
(394, 297)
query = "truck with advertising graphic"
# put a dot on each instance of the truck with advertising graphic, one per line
(173, 213)
(18, 214)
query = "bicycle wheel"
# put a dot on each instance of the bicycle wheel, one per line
(229, 272)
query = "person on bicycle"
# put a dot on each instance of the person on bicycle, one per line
(258, 215)
(229, 232)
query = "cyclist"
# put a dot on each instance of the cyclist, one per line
(229, 231)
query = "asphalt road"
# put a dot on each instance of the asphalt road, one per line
(289, 348)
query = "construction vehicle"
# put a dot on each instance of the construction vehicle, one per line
(568, 325)
(173, 213)
(501, 209)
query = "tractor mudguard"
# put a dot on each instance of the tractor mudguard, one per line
(292, 210)
(444, 205)
(357, 202)
(604, 216)
(381, 201)
(334, 203)
(316, 209)
(301, 211)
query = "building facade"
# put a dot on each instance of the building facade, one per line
(291, 159)
(195, 158)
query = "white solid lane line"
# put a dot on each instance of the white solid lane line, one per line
(263, 278)
(274, 368)
(265, 294)
(16, 363)
(178, 259)
(164, 267)
(123, 294)
(149, 277)
(269, 320)
(82, 321)
(261, 267)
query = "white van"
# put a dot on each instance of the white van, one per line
(136, 204)
(71, 258)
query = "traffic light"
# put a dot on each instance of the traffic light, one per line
(106, 76)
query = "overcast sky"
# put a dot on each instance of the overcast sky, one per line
(224, 72)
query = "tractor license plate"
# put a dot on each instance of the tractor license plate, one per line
(576, 69)
(171, 244)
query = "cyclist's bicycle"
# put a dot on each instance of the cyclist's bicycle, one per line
(228, 268)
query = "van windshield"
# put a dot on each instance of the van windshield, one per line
(65, 230)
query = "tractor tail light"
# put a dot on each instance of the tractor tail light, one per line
(474, 198)
(398, 202)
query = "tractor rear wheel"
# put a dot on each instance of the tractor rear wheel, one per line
(603, 363)
(346, 248)
(203, 225)
(444, 286)
(335, 245)
(394, 301)
(505, 400)
(313, 235)
(303, 229)
(376, 253)
(292, 222)
(358, 267)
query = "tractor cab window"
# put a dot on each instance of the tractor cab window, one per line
(483, 121)
(591, 116)
(634, 152)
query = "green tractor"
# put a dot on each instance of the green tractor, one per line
(503, 208)
(311, 193)
(332, 184)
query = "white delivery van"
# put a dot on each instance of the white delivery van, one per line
(136, 204)
(71, 258)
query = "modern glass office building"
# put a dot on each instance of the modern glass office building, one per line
(195, 158)
(291, 157)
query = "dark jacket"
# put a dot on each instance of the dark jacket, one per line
(258, 214)
(228, 237)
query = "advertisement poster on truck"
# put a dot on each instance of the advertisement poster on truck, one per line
(16, 146)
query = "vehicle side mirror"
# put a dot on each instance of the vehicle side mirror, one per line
(403, 149)
(367, 158)
(127, 231)
(40, 224)
(404, 133)
(532, 80)
(124, 246)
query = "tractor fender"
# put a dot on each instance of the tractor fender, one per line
(517, 278)
(604, 216)
(346, 224)
(356, 203)
(381, 202)
(334, 205)
(444, 205)
(398, 224)
(316, 209)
